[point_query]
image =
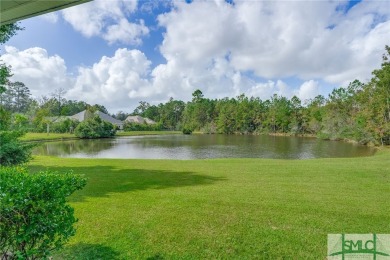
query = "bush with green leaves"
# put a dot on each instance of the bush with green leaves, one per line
(95, 127)
(35, 218)
(129, 126)
(64, 126)
(187, 131)
(12, 150)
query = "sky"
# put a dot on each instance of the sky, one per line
(119, 52)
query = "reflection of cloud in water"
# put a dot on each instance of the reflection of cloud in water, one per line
(203, 146)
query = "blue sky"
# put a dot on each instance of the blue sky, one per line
(60, 38)
(119, 52)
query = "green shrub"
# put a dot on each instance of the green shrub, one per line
(5, 119)
(129, 126)
(95, 127)
(65, 126)
(187, 131)
(13, 151)
(34, 216)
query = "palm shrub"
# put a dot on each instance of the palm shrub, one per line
(35, 218)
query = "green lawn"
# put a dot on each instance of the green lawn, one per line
(135, 133)
(223, 209)
(46, 137)
(55, 136)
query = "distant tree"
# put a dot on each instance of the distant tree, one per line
(100, 108)
(58, 95)
(279, 114)
(152, 112)
(5, 73)
(296, 120)
(6, 97)
(199, 113)
(313, 115)
(171, 113)
(142, 107)
(120, 115)
(197, 96)
(72, 107)
(227, 119)
(19, 97)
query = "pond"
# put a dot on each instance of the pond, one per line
(203, 147)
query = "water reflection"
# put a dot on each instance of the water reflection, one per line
(73, 147)
(202, 147)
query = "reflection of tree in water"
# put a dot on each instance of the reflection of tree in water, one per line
(204, 146)
(75, 146)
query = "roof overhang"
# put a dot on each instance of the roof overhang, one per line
(15, 10)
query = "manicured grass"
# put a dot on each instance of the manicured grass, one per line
(223, 209)
(46, 137)
(135, 133)
(55, 136)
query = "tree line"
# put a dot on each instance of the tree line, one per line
(360, 112)
(33, 114)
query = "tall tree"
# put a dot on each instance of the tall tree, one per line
(6, 32)
(100, 108)
(12, 151)
(378, 108)
(21, 96)
(142, 107)
(59, 96)
(296, 120)
(197, 96)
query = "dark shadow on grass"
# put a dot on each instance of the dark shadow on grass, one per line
(155, 257)
(104, 180)
(87, 252)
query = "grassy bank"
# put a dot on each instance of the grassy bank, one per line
(46, 137)
(223, 209)
(135, 133)
(55, 136)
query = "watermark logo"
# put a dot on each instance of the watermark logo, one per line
(358, 246)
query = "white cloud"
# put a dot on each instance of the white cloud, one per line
(119, 82)
(279, 39)
(41, 72)
(126, 32)
(113, 81)
(107, 19)
(267, 89)
(50, 17)
(308, 90)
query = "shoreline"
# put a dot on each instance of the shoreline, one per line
(52, 137)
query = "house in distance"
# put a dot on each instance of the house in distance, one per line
(84, 115)
(140, 120)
